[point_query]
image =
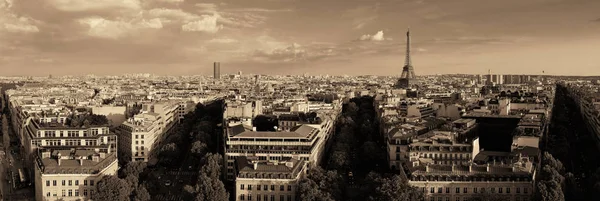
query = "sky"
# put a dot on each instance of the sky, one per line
(335, 37)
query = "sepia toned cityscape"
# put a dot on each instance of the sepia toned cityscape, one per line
(288, 100)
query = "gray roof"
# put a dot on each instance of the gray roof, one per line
(301, 131)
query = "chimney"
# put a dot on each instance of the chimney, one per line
(488, 167)
(453, 167)
(470, 167)
(254, 165)
(254, 128)
(289, 164)
(58, 161)
(80, 162)
(427, 168)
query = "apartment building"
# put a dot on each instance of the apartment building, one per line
(40, 127)
(306, 142)
(265, 181)
(447, 170)
(513, 181)
(71, 174)
(141, 133)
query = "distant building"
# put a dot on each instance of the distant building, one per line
(217, 70)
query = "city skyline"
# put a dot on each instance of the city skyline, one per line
(178, 37)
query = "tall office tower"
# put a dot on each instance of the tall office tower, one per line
(408, 73)
(217, 70)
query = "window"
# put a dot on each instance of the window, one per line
(432, 190)
(249, 196)
(281, 188)
(64, 182)
(258, 196)
(474, 190)
(482, 190)
(507, 189)
(242, 187)
(70, 192)
(500, 190)
(77, 182)
(266, 189)
(272, 187)
(53, 182)
(84, 192)
(249, 188)
(397, 149)
(447, 190)
(85, 182)
(258, 188)
(64, 193)
(440, 191)
(432, 198)
(47, 182)
(266, 196)
(493, 190)
(242, 197)
(289, 198)
(518, 190)
(525, 190)
(397, 156)
(272, 197)
(77, 192)
(91, 182)
(447, 198)
(465, 190)
(457, 190)
(70, 182)
(289, 187)
(457, 198)
(281, 198)
(48, 194)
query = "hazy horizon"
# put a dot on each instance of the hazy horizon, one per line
(287, 37)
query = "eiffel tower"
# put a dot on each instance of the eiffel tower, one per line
(408, 72)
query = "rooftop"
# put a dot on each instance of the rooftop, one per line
(74, 161)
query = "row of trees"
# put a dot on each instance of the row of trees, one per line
(568, 142)
(190, 144)
(357, 147)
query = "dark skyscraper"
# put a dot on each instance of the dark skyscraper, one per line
(408, 73)
(217, 70)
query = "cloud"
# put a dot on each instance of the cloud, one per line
(261, 10)
(85, 5)
(113, 29)
(171, 1)
(223, 40)
(20, 25)
(207, 24)
(376, 37)
(168, 15)
(13, 23)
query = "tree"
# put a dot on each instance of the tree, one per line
(390, 189)
(212, 166)
(549, 191)
(339, 160)
(308, 190)
(199, 149)
(210, 189)
(140, 194)
(111, 188)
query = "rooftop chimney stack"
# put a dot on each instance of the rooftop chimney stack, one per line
(254, 165)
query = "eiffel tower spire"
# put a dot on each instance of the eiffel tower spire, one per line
(407, 61)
